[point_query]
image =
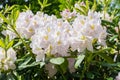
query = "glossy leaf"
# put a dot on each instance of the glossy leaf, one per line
(10, 44)
(57, 61)
(79, 60)
(2, 43)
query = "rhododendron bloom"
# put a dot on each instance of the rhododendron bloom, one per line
(7, 59)
(51, 37)
(22, 24)
(55, 36)
(66, 14)
(11, 34)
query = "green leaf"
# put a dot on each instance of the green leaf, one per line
(110, 78)
(79, 60)
(42, 64)
(109, 65)
(112, 38)
(8, 8)
(64, 66)
(28, 8)
(17, 44)
(104, 22)
(40, 3)
(7, 40)
(84, 9)
(115, 4)
(57, 61)
(23, 64)
(90, 75)
(87, 4)
(94, 6)
(28, 66)
(27, 60)
(3, 76)
(10, 77)
(106, 58)
(22, 59)
(80, 11)
(13, 6)
(4, 18)
(10, 44)
(16, 15)
(2, 44)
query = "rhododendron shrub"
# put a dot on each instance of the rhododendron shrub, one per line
(79, 42)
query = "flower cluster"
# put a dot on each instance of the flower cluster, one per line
(53, 37)
(9, 32)
(85, 30)
(22, 24)
(7, 59)
(49, 34)
(66, 14)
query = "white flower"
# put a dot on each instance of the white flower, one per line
(79, 4)
(40, 56)
(22, 24)
(11, 34)
(1, 20)
(79, 22)
(53, 36)
(2, 54)
(118, 76)
(56, 36)
(106, 16)
(66, 14)
(7, 59)
(11, 54)
(11, 65)
(27, 23)
(92, 29)
(61, 37)
(80, 43)
(85, 30)
(93, 15)
(102, 37)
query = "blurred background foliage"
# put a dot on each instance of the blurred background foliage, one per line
(53, 7)
(56, 6)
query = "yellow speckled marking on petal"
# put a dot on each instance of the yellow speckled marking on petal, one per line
(82, 22)
(46, 37)
(59, 42)
(91, 17)
(59, 24)
(35, 23)
(67, 30)
(58, 33)
(48, 29)
(92, 26)
(45, 19)
(27, 20)
(31, 30)
(83, 37)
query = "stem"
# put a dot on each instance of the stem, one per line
(83, 71)
(28, 48)
(118, 32)
(86, 63)
(61, 73)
